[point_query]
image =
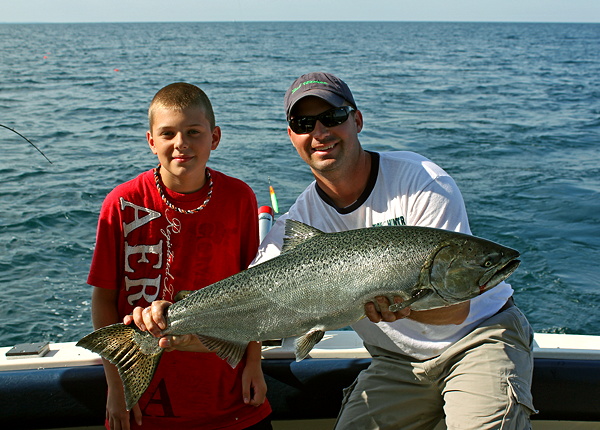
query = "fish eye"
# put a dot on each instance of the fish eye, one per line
(491, 260)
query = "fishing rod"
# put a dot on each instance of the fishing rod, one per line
(30, 142)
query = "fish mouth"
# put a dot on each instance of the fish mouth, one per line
(493, 278)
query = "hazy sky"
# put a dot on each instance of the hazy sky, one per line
(304, 10)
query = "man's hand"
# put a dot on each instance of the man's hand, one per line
(384, 313)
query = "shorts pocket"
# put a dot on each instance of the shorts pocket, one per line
(346, 392)
(520, 405)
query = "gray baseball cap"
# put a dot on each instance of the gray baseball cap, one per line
(319, 84)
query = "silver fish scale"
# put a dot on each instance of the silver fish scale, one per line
(323, 282)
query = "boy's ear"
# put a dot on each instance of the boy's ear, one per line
(216, 137)
(150, 141)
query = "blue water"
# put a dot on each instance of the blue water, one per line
(512, 111)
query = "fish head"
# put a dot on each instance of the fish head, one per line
(465, 267)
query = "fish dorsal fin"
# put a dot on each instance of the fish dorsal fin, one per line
(296, 233)
(232, 352)
(306, 342)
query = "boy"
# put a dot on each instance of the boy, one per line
(178, 227)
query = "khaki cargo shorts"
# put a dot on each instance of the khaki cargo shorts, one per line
(481, 382)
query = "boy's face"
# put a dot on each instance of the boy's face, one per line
(182, 140)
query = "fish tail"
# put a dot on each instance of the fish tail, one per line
(135, 353)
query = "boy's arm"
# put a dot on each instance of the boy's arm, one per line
(104, 312)
(254, 387)
(104, 307)
(153, 319)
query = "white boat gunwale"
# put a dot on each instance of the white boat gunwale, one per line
(66, 387)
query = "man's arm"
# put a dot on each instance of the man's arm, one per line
(439, 205)
(454, 314)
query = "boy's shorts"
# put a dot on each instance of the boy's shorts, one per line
(481, 382)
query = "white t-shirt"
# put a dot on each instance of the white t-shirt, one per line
(405, 188)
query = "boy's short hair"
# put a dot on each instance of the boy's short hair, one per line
(181, 95)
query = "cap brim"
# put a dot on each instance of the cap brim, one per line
(331, 98)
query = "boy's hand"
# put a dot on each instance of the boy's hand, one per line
(186, 342)
(254, 387)
(117, 415)
(150, 319)
(384, 313)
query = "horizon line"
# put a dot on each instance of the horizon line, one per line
(305, 21)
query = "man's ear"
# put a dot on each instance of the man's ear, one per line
(358, 119)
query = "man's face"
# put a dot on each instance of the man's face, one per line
(326, 149)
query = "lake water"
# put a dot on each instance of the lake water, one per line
(511, 111)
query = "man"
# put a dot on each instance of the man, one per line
(470, 362)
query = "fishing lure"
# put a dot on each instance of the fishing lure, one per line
(274, 203)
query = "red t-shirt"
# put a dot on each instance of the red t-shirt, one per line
(149, 252)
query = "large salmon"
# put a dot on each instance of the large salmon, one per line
(320, 282)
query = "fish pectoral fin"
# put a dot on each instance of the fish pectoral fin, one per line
(306, 342)
(232, 352)
(135, 353)
(395, 307)
(297, 233)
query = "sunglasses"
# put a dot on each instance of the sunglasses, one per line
(329, 118)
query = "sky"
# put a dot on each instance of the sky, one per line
(28, 11)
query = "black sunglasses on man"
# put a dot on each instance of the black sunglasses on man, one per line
(329, 118)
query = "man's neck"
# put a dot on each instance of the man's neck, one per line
(345, 187)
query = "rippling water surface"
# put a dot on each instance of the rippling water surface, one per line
(512, 111)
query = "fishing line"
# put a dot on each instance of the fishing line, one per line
(30, 142)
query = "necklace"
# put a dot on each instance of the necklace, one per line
(171, 205)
